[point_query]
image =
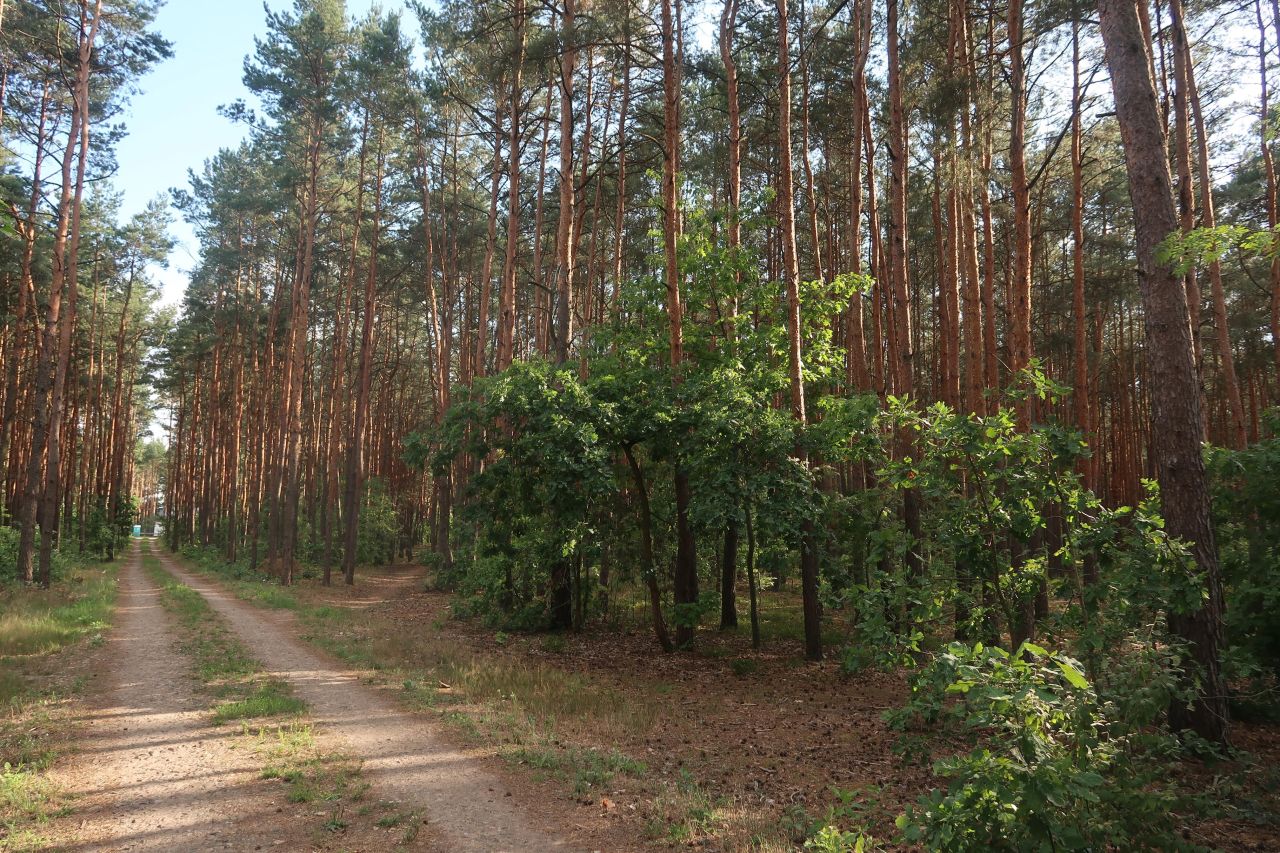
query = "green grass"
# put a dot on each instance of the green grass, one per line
(585, 769)
(40, 622)
(23, 792)
(12, 685)
(36, 625)
(393, 820)
(744, 667)
(290, 754)
(221, 661)
(32, 735)
(268, 700)
(27, 802)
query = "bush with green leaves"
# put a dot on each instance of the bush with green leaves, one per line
(1009, 526)
(576, 491)
(1007, 518)
(1246, 506)
(990, 487)
(61, 563)
(831, 839)
(100, 533)
(530, 508)
(379, 526)
(1142, 575)
(1052, 764)
(8, 553)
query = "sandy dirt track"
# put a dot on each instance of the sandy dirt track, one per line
(405, 759)
(151, 773)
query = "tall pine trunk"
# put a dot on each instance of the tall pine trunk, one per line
(1175, 389)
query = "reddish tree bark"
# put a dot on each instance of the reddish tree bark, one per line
(1175, 390)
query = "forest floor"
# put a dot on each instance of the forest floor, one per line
(721, 749)
(417, 730)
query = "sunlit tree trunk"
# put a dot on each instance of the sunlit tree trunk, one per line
(1175, 389)
(902, 347)
(356, 441)
(507, 297)
(1269, 168)
(1020, 189)
(1082, 392)
(791, 277)
(565, 239)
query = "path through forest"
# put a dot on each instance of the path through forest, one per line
(151, 773)
(405, 759)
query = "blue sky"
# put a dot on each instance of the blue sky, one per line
(174, 124)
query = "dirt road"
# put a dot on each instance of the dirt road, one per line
(152, 773)
(405, 758)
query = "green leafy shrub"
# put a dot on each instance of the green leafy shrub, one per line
(60, 568)
(830, 839)
(8, 554)
(379, 527)
(1053, 766)
(1247, 518)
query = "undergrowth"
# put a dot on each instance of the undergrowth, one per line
(36, 627)
(555, 723)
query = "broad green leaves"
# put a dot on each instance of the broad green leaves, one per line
(1054, 764)
(1207, 245)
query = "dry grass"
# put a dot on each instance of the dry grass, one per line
(562, 715)
(550, 698)
(37, 628)
(40, 622)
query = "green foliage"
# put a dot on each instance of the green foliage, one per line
(1247, 517)
(105, 534)
(988, 487)
(8, 553)
(269, 699)
(852, 807)
(62, 567)
(1054, 765)
(1201, 246)
(1007, 518)
(879, 644)
(829, 839)
(547, 468)
(379, 528)
(1144, 575)
(566, 456)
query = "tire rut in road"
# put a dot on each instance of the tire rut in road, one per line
(151, 772)
(405, 758)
